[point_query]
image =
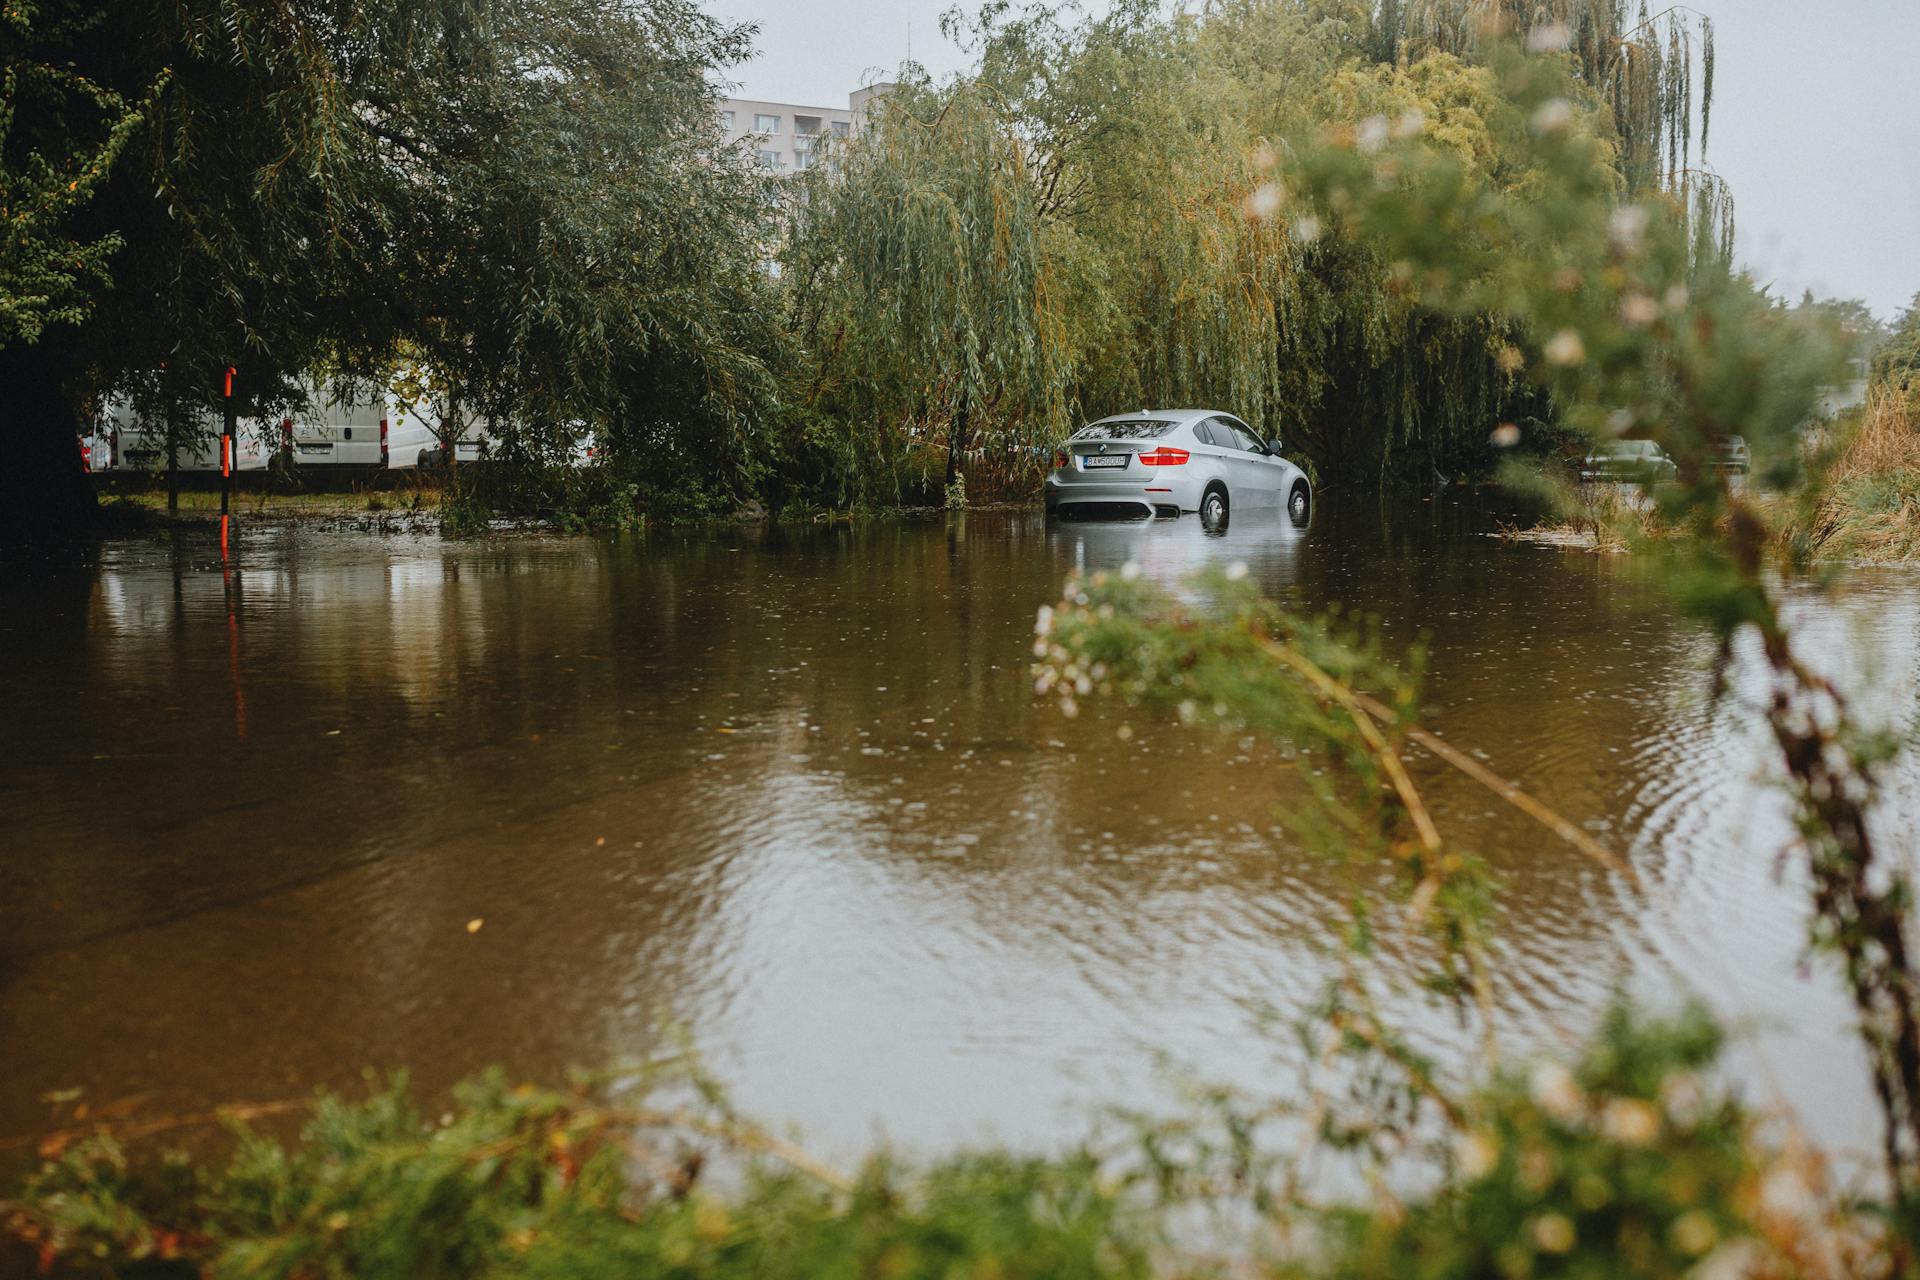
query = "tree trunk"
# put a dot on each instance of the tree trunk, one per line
(957, 438)
(45, 494)
(173, 456)
(452, 437)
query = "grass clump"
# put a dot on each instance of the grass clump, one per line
(1869, 511)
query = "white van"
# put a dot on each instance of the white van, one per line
(476, 441)
(124, 439)
(351, 423)
(482, 438)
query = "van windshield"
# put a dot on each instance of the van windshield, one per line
(1136, 429)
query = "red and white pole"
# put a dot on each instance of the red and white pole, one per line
(228, 459)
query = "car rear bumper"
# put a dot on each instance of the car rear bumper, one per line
(1152, 494)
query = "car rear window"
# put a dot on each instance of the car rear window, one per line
(1133, 429)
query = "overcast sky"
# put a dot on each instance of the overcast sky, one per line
(1816, 120)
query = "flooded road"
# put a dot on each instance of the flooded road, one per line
(790, 791)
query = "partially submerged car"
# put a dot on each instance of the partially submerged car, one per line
(1166, 462)
(1733, 457)
(1628, 462)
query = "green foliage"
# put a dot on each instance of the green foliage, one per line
(531, 1182)
(1322, 690)
(55, 162)
(528, 196)
(1623, 1165)
(920, 287)
(1631, 328)
(1215, 662)
(1107, 169)
(1896, 363)
(1637, 324)
(588, 255)
(569, 498)
(1625, 1161)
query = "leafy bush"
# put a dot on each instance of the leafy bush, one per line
(569, 498)
(1627, 1162)
(531, 1182)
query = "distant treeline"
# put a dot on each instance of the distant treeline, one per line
(526, 208)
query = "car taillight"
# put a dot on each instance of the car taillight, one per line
(383, 442)
(1164, 457)
(1059, 459)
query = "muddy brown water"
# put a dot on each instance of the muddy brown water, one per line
(790, 791)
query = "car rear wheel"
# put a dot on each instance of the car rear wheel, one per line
(1299, 504)
(1214, 506)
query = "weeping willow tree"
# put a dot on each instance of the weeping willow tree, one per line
(920, 292)
(1653, 70)
(1203, 306)
(1080, 227)
(1179, 293)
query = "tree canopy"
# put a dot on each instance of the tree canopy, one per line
(530, 201)
(1127, 181)
(529, 193)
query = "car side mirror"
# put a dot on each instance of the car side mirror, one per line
(1273, 446)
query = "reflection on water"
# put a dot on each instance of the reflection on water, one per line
(790, 790)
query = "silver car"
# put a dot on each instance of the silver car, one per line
(1164, 462)
(1628, 462)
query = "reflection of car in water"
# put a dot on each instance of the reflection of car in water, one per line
(1628, 462)
(1170, 552)
(1170, 461)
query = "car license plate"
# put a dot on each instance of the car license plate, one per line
(316, 448)
(1106, 460)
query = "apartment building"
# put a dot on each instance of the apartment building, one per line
(787, 136)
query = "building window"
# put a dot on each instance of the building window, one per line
(766, 124)
(840, 128)
(726, 121)
(769, 159)
(803, 159)
(806, 126)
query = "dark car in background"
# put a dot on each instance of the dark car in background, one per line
(1628, 462)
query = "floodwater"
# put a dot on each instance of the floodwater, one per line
(790, 792)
